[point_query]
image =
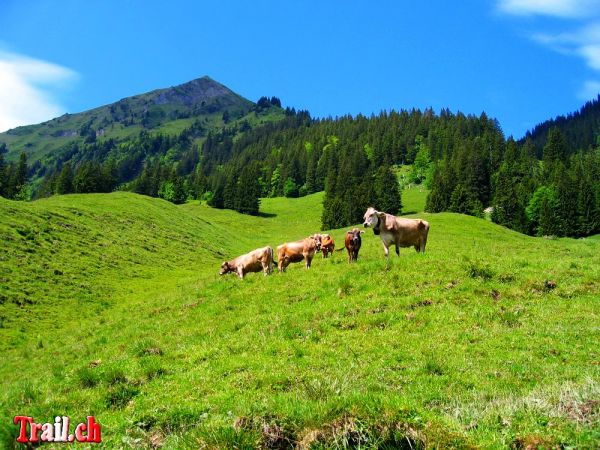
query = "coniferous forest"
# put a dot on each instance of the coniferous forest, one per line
(546, 184)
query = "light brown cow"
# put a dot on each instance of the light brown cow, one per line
(327, 245)
(296, 251)
(255, 261)
(397, 231)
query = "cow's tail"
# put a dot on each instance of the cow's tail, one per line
(339, 249)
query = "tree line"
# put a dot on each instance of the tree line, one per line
(464, 159)
(13, 177)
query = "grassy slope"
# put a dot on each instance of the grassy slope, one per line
(461, 346)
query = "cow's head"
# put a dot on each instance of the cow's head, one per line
(373, 219)
(317, 239)
(225, 268)
(355, 236)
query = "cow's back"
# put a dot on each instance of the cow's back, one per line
(411, 232)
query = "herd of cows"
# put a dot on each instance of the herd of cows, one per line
(392, 230)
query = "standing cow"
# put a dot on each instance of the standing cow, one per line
(255, 261)
(292, 252)
(353, 243)
(327, 245)
(397, 231)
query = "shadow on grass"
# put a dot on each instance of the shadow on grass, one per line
(266, 215)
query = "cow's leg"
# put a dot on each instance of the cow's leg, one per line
(397, 250)
(266, 268)
(356, 255)
(240, 273)
(308, 260)
(386, 249)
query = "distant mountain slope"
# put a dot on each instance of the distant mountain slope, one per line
(581, 129)
(171, 109)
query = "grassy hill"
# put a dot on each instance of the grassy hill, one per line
(111, 305)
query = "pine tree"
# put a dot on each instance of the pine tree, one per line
(64, 182)
(554, 153)
(541, 211)
(387, 192)
(3, 171)
(248, 194)
(230, 191)
(216, 199)
(17, 179)
(566, 204)
(438, 199)
(505, 201)
(464, 201)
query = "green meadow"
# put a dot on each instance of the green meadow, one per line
(111, 305)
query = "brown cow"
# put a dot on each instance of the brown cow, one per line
(296, 251)
(255, 261)
(397, 230)
(327, 245)
(353, 243)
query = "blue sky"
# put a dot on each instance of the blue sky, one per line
(521, 61)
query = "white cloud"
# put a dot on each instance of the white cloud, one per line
(591, 54)
(26, 89)
(590, 90)
(582, 41)
(556, 8)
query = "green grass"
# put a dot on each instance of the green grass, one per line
(112, 305)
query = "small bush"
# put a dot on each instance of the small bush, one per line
(120, 395)
(152, 367)
(479, 270)
(433, 367)
(87, 378)
(114, 375)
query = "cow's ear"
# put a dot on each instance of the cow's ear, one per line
(381, 215)
(361, 231)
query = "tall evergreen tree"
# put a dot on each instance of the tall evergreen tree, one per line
(3, 171)
(248, 190)
(64, 182)
(387, 192)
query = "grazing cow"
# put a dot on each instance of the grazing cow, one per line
(397, 230)
(353, 243)
(327, 245)
(292, 252)
(255, 261)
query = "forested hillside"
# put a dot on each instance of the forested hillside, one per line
(202, 141)
(580, 129)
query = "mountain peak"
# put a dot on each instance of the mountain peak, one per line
(192, 93)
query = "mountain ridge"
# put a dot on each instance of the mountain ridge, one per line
(199, 98)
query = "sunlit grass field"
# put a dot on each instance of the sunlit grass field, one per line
(111, 305)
